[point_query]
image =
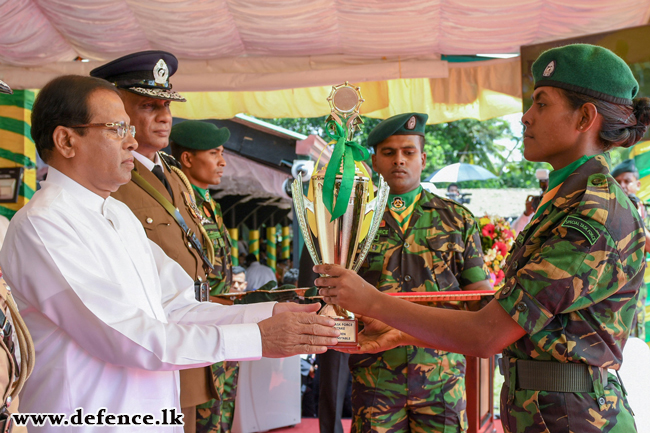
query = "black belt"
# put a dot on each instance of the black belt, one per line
(552, 376)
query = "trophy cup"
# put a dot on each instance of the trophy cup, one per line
(341, 213)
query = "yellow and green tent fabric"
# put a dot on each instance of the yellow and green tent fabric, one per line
(17, 146)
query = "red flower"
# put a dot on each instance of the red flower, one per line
(488, 231)
(499, 277)
(501, 248)
(507, 234)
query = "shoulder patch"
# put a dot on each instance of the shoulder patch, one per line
(583, 227)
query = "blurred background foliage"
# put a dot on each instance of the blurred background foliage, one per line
(492, 144)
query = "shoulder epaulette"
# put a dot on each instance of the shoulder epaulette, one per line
(170, 160)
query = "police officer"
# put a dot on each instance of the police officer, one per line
(157, 187)
(572, 279)
(627, 175)
(14, 338)
(198, 146)
(424, 243)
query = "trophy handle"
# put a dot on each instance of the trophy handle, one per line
(378, 204)
(301, 204)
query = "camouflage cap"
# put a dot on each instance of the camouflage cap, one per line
(4, 88)
(589, 69)
(626, 166)
(198, 135)
(401, 124)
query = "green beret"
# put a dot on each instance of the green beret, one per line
(199, 135)
(401, 124)
(589, 69)
(626, 166)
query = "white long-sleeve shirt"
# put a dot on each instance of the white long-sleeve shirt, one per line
(112, 317)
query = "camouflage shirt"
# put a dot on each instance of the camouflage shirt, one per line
(439, 251)
(212, 220)
(217, 415)
(572, 282)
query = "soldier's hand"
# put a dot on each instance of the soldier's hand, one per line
(293, 307)
(375, 337)
(288, 334)
(345, 288)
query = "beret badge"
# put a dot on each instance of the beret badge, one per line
(549, 70)
(411, 123)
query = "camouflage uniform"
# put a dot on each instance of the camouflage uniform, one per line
(572, 283)
(216, 416)
(411, 388)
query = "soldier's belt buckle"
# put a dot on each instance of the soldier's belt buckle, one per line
(202, 291)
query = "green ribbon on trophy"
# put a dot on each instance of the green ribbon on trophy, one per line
(344, 154)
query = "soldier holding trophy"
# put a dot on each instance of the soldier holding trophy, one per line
(419, 243)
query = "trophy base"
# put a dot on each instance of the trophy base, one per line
(349, 329)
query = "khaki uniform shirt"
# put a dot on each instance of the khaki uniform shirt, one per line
(196, 384)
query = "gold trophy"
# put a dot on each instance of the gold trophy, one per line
(341, 210)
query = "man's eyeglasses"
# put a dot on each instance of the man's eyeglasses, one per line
(119, 127)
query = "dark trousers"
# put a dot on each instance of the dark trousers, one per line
(334, 375)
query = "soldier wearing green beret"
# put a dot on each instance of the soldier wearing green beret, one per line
(627, 176)
(425, 243)
(573, 276)
(198, 146)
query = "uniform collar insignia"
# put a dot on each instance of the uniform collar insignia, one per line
(397, 204)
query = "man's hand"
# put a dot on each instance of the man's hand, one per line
(293, 307)
(288, 333)
(345, 288)
(376, 337)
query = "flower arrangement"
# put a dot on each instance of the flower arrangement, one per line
(496, 239)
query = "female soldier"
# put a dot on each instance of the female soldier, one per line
(574, 274)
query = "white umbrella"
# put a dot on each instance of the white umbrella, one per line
(429, 187)
(460, 172)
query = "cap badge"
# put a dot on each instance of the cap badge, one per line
(160, 72)
(550, 69)
(411, 123)
(397, 204)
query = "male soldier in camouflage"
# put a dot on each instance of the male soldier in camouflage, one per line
(627, 176)
(573, 277)
(198, 146)
(424, 243)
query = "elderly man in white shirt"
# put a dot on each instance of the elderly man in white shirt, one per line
(105, 306)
